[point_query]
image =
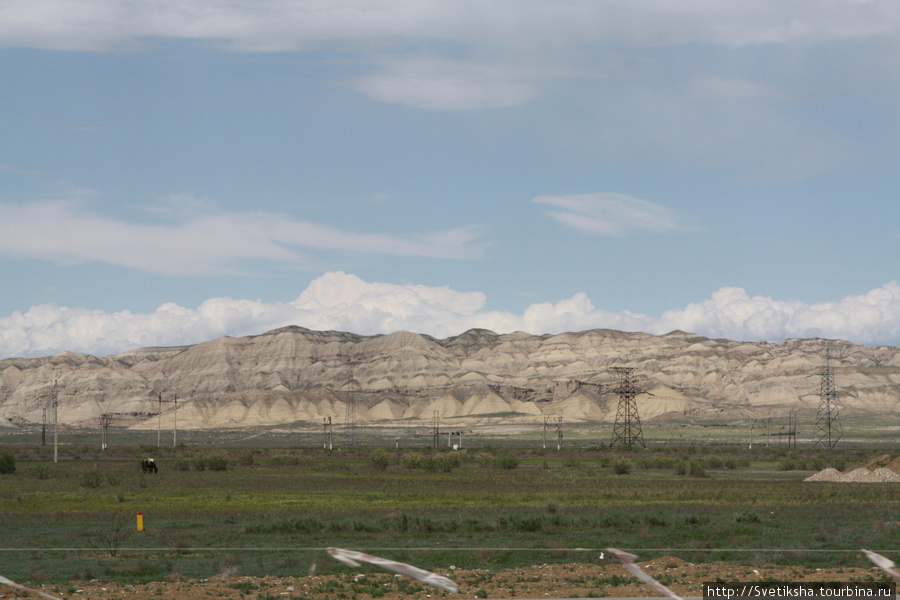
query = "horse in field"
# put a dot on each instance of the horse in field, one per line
(148, 465)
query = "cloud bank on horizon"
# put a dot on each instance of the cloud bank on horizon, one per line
(344, 302)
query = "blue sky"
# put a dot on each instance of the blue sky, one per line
(175, 171)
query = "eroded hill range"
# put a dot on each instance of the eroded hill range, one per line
(294, 375)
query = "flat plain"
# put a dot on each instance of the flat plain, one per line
(511, 515)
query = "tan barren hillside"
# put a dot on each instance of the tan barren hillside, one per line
(297, 375)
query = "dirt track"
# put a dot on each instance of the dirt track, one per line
(539, 581)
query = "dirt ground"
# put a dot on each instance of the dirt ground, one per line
(538, 581)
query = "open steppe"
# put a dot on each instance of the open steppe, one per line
(504, 517)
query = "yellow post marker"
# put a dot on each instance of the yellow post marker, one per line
(140, 521)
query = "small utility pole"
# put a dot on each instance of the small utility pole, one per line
(326, 424)
(175, 426)
(55, 423)
(105, 420)
(159, 420)
(436, 421)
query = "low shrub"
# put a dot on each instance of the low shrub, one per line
(621, 466)
(7, 463)
(412, 460)
(656, 462)
(92, 479)
(448, 462)
(714, 462)
(380, 459)
(217, 462)
(748, 516)
(485, 459)
(507, 460)
(691, 467)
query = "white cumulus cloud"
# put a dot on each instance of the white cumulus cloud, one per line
(345, 302)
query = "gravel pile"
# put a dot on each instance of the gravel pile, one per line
(859, 475)
(829, 474)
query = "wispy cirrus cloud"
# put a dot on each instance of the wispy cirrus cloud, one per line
(421, 42)
(286, 25)
(440, 83)
(614, 215)
(203, 243)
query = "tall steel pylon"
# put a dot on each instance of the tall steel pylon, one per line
(627, 429)
(828, 421)
(350, 419)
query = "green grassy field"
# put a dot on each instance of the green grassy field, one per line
(860, 430)
(270, 510)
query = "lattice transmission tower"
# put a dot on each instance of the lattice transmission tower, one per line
(627, 429)
(828, 420)
(350, 419)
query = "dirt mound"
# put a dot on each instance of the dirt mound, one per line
(878, 461)
(858, 475)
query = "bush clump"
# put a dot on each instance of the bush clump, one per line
(448, 462)
(92, 479)
(748, 516)
(507, 460)
(412, 460)
(380, 459)
(621, 466)
(484, 459)
(217, 462)
(444, 463)
(7, 463)
(213, 462)
(692, 468)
